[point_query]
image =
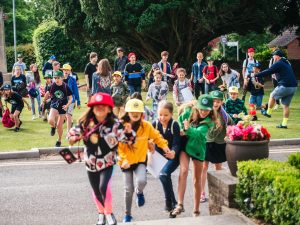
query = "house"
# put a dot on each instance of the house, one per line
(290, 41)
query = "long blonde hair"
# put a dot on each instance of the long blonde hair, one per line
(104, 68)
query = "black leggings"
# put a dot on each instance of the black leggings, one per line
(100, 184)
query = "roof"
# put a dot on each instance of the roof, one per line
(285, 38)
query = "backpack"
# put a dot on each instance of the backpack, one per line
(172, 126)
(6, 120)
(255, 61)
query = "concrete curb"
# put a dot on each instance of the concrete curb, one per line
(232, 211)
(36, 152)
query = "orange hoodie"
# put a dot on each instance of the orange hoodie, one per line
(137, 153)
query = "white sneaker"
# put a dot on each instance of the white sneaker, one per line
(101, 219)
(33, 117)
(111, 220)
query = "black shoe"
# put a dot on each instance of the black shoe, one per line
(266, 114)
(52, 132)
(111, 220)
(17, 129)
(58, 144)
(101, 219)
(281, 126)
(254, 118)
(168, 208)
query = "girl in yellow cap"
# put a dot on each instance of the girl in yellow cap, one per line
(133, 158)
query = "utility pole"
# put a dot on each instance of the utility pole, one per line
(3, 65)
(15, 32)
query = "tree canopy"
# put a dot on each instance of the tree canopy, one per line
(182, 27)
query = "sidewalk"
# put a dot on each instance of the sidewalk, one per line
(37, 152)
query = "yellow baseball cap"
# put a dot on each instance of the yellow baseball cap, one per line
(233, 89)
(117, 73)
(134, 105)
(66, 67)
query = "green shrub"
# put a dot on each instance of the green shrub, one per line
(294, 160)
(26, 50)
(269, 190)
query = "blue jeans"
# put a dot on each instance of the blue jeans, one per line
(38, 99)
(166, 181)
(256, 100)
(209, 87)
(133, 89)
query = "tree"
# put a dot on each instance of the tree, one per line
(182, 27)
(29, 14)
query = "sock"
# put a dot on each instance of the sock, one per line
(269, 111)
(284, 121)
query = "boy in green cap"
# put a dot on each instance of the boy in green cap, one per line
(46, 103)
(195, 121)
(61, 99)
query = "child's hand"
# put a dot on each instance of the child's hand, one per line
(235, 116)
(170, 154)
(127, 128)
(186, 124)
(182, 133)
(125, 165)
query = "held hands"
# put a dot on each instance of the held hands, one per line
(170, 154)
(125, 164)
(127, 128)
(186, 124)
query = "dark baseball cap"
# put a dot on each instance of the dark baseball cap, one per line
(278, 52)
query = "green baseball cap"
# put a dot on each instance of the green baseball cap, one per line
(58, 74)
(205, 102)
(209, 58)
(217, 95)
(48, 75)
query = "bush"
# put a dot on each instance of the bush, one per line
(269, 190)
(294, 160)
(26, 50)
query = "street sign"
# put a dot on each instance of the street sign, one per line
(232, 43)
(223, 39)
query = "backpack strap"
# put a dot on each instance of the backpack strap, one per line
(172, 127)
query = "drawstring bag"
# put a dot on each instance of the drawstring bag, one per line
(33, 93)
(6, 120)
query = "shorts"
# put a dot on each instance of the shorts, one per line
(183, 142)
(70, 109)
(215, 153)
(284, 93)
(16, 107)
(58, 107)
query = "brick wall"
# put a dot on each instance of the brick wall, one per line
(293, 49)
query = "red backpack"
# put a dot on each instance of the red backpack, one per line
(6, 120)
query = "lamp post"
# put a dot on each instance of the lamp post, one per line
(14, 25)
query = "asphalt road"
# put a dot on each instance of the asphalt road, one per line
(49, 191)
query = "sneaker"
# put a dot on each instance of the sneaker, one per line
(58, 144)
(17, 129)
(52, 132)
(33, 117)
(140, 199)
(127, 219)
(266, 114)
(111, 220)
(281, 126)
(101, 219)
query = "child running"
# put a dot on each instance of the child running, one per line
(181, 83)
(157, 91)
(101, 132)
(148, 113)
(17, 105)
(170, 131)
(45, 107)
(195, 121)
(215, 145)
(133, 159)
(61, 99)
(119, 93)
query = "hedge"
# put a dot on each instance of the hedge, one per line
(294, 160)
(26, 50)
(269, 190)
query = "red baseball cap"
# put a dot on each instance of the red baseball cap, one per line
(101, 99)
(251, 50)
(131, 54)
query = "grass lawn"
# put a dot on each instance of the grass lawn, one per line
(37, 133)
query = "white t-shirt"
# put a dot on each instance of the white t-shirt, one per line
(249, 68)
(231, 79)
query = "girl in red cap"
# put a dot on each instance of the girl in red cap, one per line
(101, 132)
